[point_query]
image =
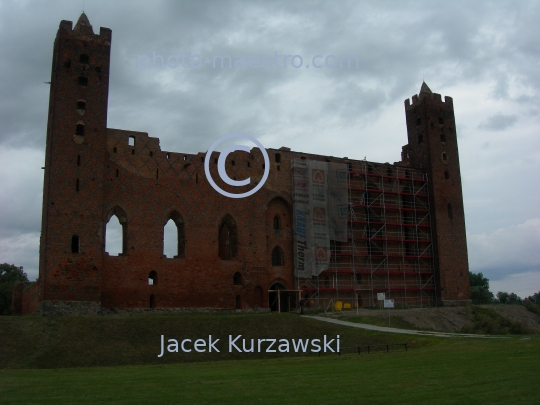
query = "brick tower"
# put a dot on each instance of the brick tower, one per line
(431, 131)
(71, 235)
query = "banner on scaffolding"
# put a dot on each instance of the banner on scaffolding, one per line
(320, 213)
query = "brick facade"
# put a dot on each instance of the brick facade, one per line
(225, 250)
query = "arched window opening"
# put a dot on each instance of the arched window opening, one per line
(450, 213)
(174, 236)
(75, 244)
(258, 297)
(227, 239)
(238, 302)
(116, 232)
(237, 278)
(277, 257)
(152, 278)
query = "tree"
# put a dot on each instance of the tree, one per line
(480, 293)
(505, 298)
(9, 276)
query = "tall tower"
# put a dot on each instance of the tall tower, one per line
(71, 234)
(431, 131)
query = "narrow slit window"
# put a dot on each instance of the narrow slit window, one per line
(444, 157)
(278, 157)
(83, 58)
(418, 121)
(450, 213)
(115, 150)
(77, 186)
(78, 160)
(75, 244)
(420, 138)
(277, 224)
(441, 120)
(237, 278)
(117, 172)
(79, 130)
(443, 138)
(238, 302)
(446, 175)
(81, 105)
(83, 81)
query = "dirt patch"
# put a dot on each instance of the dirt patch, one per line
(445, 319)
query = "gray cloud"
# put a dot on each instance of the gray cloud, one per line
(498, 122)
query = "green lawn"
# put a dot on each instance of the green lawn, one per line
(448, 371)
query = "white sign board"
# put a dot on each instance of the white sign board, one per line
(389, 303)
(380, 296)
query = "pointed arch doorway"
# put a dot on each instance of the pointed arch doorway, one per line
(280, 299)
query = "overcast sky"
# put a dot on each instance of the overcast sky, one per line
(486, 55)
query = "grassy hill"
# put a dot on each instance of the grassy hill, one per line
(43, 342)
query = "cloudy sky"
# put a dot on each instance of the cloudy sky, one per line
(486, 55)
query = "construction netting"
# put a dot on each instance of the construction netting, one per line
(320, 213)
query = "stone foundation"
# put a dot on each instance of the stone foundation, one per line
(92, 308)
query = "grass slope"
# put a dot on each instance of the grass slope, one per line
(42, 342)
(455, 371)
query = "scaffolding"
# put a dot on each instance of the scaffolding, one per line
(389, 247)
